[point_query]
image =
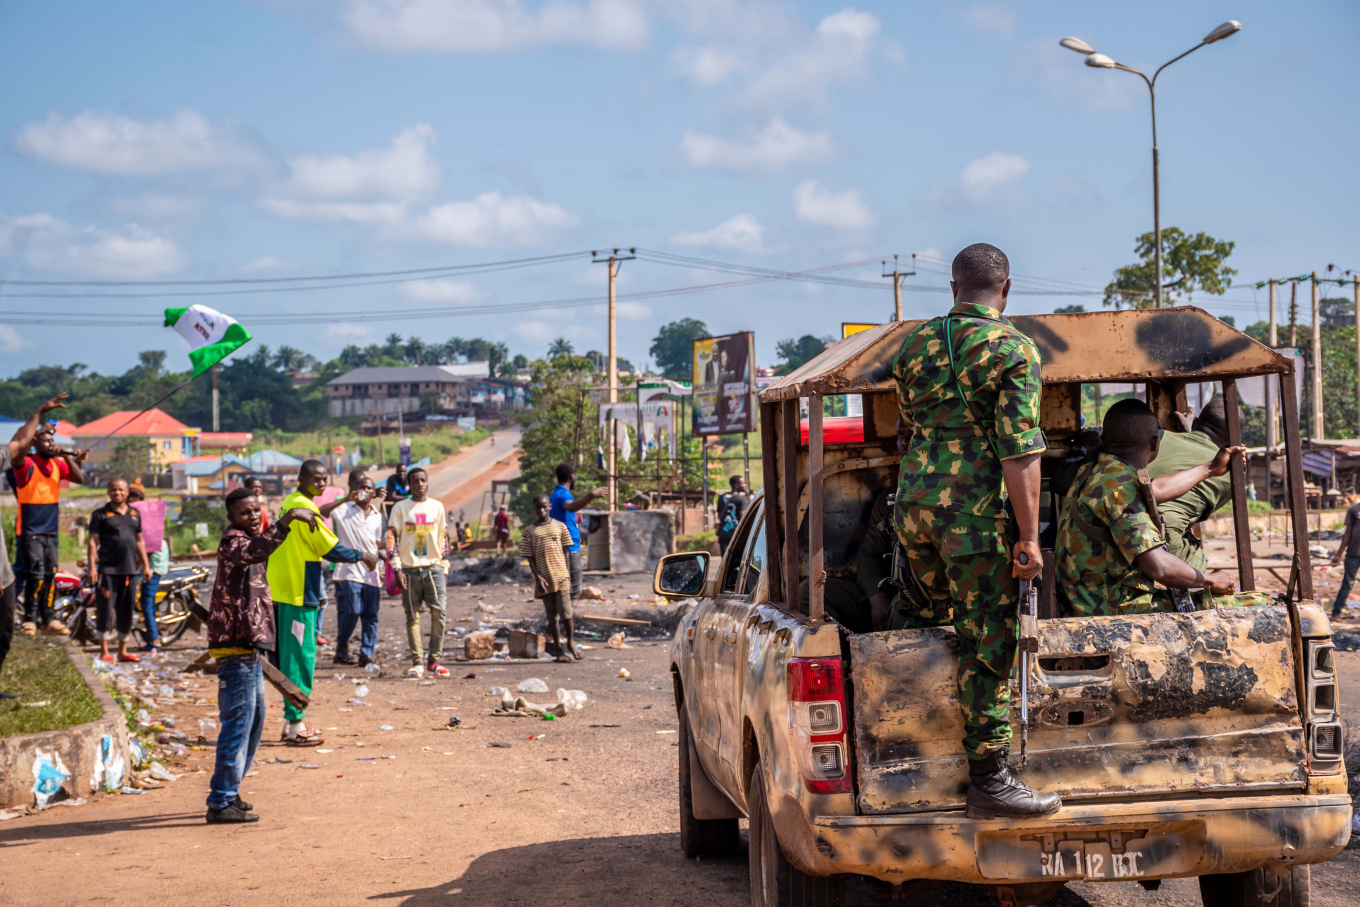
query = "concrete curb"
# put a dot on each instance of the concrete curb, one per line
(37, 770)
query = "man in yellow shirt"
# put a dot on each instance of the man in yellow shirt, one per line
(296, 584)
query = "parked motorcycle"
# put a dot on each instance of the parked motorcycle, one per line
(175, 599)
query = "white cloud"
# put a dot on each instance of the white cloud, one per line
(1061, 73)
(103, 142)
(51, 244)
(491, 219)
(991, 17)
(706, 66)
(777, 145)
(407, 169)
(441, 290)
(982, 178)
(742, 233)
(373, 213)
(845, 210)
(11, 341)
(472, 26)
(838, 51)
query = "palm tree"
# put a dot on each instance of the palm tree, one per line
(497, 353)
(289, 359)
(453, 349)
(352, 357)
(392, 346)
(414, 351)
(560, 347)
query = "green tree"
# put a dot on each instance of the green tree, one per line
(673, 347)
(496, 353)
(453, 349)
(1075, 308)
(520, 361)
(560, 348)
(797, 352)
(1189, 263)
(392, 346)
(131, 458)
(1338, 379)
(550, 427)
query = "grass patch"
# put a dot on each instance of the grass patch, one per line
(36, 671)
(697, 541)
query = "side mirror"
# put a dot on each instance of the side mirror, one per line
(681, 575)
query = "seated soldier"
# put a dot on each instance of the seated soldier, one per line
(1110, 553)
(1181, 450)
(863, 605)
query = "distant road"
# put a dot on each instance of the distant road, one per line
(461, 482)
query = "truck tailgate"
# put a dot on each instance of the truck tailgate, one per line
(1119, 707)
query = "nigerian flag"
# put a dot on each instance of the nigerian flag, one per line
(212, 336)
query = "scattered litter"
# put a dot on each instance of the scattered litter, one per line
(455, 721)
(471, 676)
(16, 812)
(571, 699)
(646, 707)
(394, 858)
(361, 691)
(625, 674)
(308, 765)
(634, 596)
(161, 773)
(498, 745)
(353, 701)
(32, 705)
(279, 760)
(665, 732)
(592, 593)
(384, 727)
(364, 758)
(533, 685)
(372, 669)
(389, 757)
(131, 790)
(325, 751)
(548, 716)
(617, 641)
(606, 725)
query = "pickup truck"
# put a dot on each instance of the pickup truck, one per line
(1203, 745)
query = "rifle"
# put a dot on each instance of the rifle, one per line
(1029, 642)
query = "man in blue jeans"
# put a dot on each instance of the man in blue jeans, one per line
(1350, 550)
(241, 631)
(358, 590)
(562, 506)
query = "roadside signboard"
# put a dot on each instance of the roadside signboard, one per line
(724, 384)
(854, 327)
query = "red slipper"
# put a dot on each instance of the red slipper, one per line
(129, 657)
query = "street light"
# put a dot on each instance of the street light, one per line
(1101, 61)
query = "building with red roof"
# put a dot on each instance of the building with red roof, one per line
(169, 440)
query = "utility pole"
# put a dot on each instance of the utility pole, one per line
(1274, 338)
(1294, 313)
(897, 274)
(615, 261)
(217, 422)
(1355, 284)
(1317, 360)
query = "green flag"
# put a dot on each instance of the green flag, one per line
(212, 336)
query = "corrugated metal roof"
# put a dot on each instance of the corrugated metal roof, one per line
(1181, 342)
(403, 374)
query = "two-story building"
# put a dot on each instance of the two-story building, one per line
(381, 391)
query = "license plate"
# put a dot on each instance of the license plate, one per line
(1095, 855)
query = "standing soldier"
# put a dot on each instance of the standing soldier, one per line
(968, 387)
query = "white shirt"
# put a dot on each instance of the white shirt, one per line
(364, 534)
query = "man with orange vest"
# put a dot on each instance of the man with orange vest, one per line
(37, 485)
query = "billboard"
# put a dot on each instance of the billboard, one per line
(724, 384)
(854, 327)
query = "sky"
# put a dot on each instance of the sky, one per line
(151, 142)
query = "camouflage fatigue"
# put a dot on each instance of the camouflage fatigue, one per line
(1182, 450)
(950, 463)
(949, 510)
(1097, 578)
(965, 562)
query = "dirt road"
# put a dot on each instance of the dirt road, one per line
(419, 815)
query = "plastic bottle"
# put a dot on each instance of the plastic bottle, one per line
(361, 691)
(205, 725)
(572, 699)
(372, 669)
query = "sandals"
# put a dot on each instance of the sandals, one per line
(564, 659)
(308, 737)
(435, 669)
(128, 656)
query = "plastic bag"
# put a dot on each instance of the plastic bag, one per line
(571, 699)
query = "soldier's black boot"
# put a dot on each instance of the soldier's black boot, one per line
(993, 792)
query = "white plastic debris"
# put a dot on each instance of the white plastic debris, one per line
(571, 699)
(361, 691)
(160, 772)
(533, 685)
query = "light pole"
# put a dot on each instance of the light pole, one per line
(1100, 61)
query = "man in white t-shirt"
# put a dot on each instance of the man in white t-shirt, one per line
(358, 590)
(418, 534)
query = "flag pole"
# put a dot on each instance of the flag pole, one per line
(142, 413)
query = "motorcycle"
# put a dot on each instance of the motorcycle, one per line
(176, 600)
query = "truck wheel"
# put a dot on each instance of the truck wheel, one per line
(701, 837)
(1259, 888)
(774, 882)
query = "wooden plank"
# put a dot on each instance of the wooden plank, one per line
(816, 555)
(769, 458)
(1238, 470)
(614, 620)
(286, 687)
(788, 485)
(1289, 406)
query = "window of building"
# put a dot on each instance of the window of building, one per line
(167, 445)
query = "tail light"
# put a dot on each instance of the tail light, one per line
(816, 694)
(1324, 719)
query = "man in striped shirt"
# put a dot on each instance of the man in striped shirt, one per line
(545, 544)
